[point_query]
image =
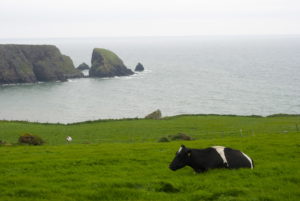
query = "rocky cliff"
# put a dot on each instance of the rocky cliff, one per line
(32, 63)
(107, 64)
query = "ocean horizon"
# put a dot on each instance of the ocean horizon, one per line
(239, 75)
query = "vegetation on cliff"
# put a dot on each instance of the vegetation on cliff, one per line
(32, 63)
(107, 64)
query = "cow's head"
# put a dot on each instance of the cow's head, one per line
(181, 158)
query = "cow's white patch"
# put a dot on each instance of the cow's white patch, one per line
(179, 150)
(220, 151)
(248, 159)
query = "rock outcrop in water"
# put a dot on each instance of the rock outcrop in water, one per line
(139, 67)
(32, 63)
(107, 64)
(154, 115)
(83, 66)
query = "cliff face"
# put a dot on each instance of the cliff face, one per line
(32, 63)
(107, 64)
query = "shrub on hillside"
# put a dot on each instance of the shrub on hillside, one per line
(30, 139)
(163, 139)
(178, 136)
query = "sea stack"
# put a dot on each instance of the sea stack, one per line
(107, 64)
(33, 63)
(139, 67)
(83, 66)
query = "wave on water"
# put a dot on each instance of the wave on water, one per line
(74, 80)
(21, 84)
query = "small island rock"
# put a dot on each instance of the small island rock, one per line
(154, 115)
(107, 64)
(139, 67)
(33, 63)
(83, 66)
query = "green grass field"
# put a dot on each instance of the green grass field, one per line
(122, 160)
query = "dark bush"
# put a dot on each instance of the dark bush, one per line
(30, 139)
(163, 139)
(180, 136)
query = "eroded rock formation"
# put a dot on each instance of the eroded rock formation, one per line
(107, 64)
(32, 63)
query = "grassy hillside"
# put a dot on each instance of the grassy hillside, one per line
(125, 161)
(145, 130)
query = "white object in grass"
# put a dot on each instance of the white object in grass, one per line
(69, 139)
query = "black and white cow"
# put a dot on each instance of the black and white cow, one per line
(213, 157)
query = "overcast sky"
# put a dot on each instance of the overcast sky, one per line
(97, 18)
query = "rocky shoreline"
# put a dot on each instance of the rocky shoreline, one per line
(44, 63)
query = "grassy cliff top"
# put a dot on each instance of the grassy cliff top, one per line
(108, 57)
(50, 49)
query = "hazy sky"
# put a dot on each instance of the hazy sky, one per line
(97, 18)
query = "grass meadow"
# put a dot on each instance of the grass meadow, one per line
(123, 160)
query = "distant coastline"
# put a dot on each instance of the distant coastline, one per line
(44, 63)
(163, 118)
(183, 75)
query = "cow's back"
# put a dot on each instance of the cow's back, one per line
(205, 159)
(237, 159)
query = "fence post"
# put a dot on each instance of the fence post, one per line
(241, 131)
(297, 128)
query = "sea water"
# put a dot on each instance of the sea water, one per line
(242, 75)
